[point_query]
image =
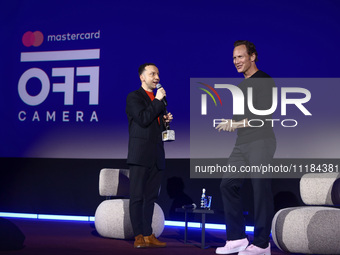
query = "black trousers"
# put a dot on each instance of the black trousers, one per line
(249, 154)
(144, 190)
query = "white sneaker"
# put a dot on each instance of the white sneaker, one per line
(254, 250)
(233, 246)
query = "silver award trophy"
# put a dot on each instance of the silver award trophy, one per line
(168, 135)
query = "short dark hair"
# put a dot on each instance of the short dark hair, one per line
(250, 47)
(142, 67)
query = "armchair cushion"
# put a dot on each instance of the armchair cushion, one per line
(316, 188)
(114, 182)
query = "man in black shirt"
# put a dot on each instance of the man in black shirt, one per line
(255, 145)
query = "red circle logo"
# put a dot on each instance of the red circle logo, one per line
(32, 38)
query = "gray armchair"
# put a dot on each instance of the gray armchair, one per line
(112, 217)
(312, 229)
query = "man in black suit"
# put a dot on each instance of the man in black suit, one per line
(147, 117)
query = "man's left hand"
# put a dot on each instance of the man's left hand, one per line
(168, 117)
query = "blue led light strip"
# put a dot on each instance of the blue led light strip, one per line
(91, 219)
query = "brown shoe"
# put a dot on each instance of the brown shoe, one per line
(151, 241)
(139, 242)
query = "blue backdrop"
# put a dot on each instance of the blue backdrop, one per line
(185, 39)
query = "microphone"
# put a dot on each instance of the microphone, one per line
(167, 135)
(192, 206)
(158, 86)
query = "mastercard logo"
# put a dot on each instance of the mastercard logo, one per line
(32, 38)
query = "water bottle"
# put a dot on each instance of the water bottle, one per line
(203, 199)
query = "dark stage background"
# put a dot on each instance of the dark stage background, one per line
(58, 130)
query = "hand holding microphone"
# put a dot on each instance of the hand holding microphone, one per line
(161, 94)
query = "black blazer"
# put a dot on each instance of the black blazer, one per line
(145, 133)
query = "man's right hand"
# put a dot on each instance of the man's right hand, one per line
(160, 94)
(230, 125)
(226, 125)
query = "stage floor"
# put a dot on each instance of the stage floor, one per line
(47, 237)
